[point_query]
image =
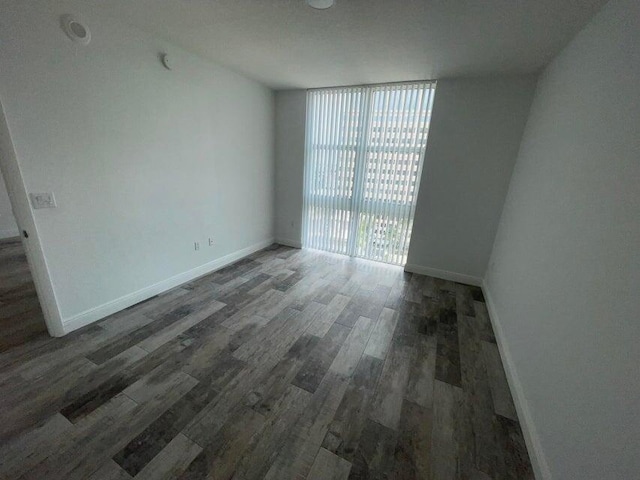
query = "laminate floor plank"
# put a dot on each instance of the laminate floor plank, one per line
(364, 303)
(224, 450)
(387, 403)
(326, 295)
(88, 402)
(258, 307)
(280, 419)
(122, 343)
(512, 452)
(48, 381)
(288, 364)
(397, 291)
(38, 357)
(328, 466)
(422, 372)
(77, 391)
(334, 308)
(21, 318)
(343, 435)
(382, 334)
(240, 295)
(502, 400)
(349, 355)
(142, 449)
(374, 457)
(297, 455)
(158, 339)
(476, 388)
(464, 300)
(119, 374)
(211, 419)
(448, 349)
(321, 358)
(412, 455)
(204, 355)
(430, 288)
(444, 441)
(26, 304)
(415, 319)
(484, 324)
(126, 320)
(414, 289)
(268, 393)
(276, 342)
(32, 446)
(255, 346)
(110, 471)
(154, 397)
(304, 291)
(55, 447)
(172, 460)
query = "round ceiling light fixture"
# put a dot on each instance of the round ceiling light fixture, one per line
(75, 29)
(320, 4)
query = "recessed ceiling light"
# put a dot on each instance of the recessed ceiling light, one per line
(75, 29)
(320, 4)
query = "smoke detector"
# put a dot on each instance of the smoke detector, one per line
(166, 61)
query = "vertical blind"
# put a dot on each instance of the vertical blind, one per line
(363, 159)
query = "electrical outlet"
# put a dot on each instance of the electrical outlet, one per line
(210, 242)
(196, 245)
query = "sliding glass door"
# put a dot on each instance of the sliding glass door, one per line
(363, 159)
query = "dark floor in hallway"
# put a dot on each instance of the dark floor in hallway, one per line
(21, 318)
(289, 364)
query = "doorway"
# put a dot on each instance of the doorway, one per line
(363, 161)
(28, 306)
(21, 317)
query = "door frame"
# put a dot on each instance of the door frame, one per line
(24, 215)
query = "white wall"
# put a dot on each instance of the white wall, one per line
(475, 132)
(8, 227)
(291, 109)
(564, 276)
(142, 161)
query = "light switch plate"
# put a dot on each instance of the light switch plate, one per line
(43, 200)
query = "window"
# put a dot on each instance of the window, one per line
(363, 159)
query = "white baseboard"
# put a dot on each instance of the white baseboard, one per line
(531, 438)
(8, 233)
(443, 274)
(289, 243)
(109, 308)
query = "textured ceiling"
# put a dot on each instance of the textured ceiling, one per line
(286, 44)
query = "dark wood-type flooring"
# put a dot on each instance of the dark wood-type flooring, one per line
(20, 315)
(289, 364)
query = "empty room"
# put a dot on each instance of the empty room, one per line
(320, 239)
